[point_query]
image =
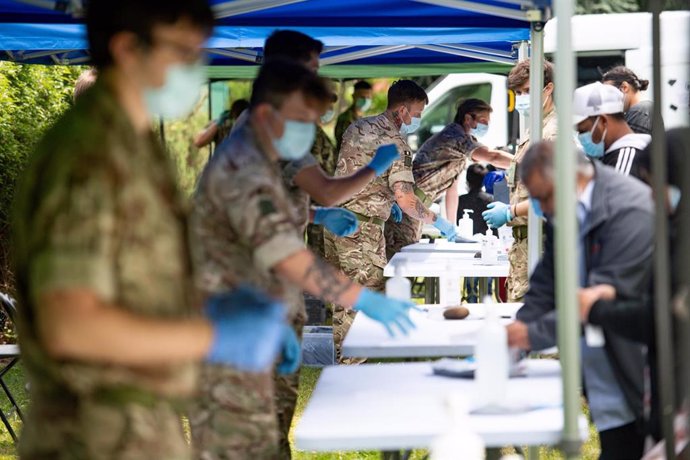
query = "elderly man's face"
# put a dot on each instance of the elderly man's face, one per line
(540, 187)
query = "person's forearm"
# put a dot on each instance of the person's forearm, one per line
(497, 158)
(206, 136)
(78, 326)
(410, 204)
(452, 202)
(319, 278)
(332, 191)
(520, 209)
(632, 319)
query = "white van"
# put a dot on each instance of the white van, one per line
(600, 41)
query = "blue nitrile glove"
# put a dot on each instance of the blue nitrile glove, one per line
(396, 213)
(497, 214)
(446, 228)
(338, 221)
(292, 352)
(491, 178)
(247, 329)
(387, 311)
(223, 117)
(383, 158)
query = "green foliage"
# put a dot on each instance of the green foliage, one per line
(31, 99)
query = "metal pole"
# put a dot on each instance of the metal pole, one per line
(568, 321)
(523, 53)
(662, 278)
(536, 84)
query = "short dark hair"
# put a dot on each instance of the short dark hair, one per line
(106, 18)
(475, 176)
(471, 106)
(519, 75)
(362, 84)
(403, 91)
(237, 107)
(620, 74)
(676, 151)
(280, 77)
(291, 44)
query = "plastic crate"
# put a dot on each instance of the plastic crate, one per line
(318, 349)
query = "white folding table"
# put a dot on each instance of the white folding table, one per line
(434, 336)
(443, 246)
(448, 267)
(392, 407)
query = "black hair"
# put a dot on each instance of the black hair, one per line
(472, 107)
(362, 84)
(280, 77)
(237, 107)
(106, 18)
(620, 74)
(475, 176)
(291, 44)
(676, 151)
(404, 91)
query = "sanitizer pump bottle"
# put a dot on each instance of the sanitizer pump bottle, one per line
(398, 287)
(493, 359)
(466, 225)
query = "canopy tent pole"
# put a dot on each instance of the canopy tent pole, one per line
(523, 53)
(375, 51)
(470, 54)
(480, 7)
(536, 77)
(566, 263)
(237, 7)
(662, 278)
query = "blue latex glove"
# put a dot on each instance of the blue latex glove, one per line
(396, 213)
(446, 228)
(338, 221)
(497, 214)
(383, 158)
(389, 312)
(247, 329)
(491, 178)
(292, 352)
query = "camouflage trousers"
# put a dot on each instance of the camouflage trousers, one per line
(244, 416)
(362, 257)
(409, 231)
(102, 430)
(315, 239)
(518, 279)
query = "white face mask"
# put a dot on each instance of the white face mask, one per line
(179, 93)
(673, 195)
(328, 116)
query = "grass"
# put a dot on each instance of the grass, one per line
(309, 376)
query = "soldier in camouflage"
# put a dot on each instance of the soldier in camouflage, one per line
(362, 256)
(217, 130)
(259, 242)
(438, 163)
(515, 214)
(106, 322)
(361, 103)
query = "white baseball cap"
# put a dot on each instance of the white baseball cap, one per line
(596, 99)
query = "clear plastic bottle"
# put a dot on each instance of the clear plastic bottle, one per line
(466, 225)
(489, 248)
(398, 287)
(493, 359)
(450, 287)
(459, 442)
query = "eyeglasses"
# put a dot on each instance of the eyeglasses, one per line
(186, 53)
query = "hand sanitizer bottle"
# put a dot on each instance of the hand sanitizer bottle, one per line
(493, 359)
(398, 287)
(466, 225)
(459, 442)
(489, 248)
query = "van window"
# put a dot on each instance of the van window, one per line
(440, 114)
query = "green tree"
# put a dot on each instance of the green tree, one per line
(31, 99)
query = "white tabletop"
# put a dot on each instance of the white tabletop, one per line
(443, 246)
(440, 264)
(403, 406)
(433, 337)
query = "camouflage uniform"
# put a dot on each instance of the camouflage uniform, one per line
(324, 152)
(362, 256)
(344, 121)
(243, 224)
(518, 280)
(98, 209)
(438, 163)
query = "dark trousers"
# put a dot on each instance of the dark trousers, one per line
(623, 443)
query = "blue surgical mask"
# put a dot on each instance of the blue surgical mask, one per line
(412, 127)
(592, 149)
(536, 207)
(480, 130)
(297, 140)
(179, 93)
(522, 104)
(328, 116)
(363, 103)
(673, 195)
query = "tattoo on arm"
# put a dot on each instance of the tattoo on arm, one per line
(330, 283)
(403, 187)
(414, 207)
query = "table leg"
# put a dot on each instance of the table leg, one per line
(483, 289)
(396, 455)
(493, 453)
